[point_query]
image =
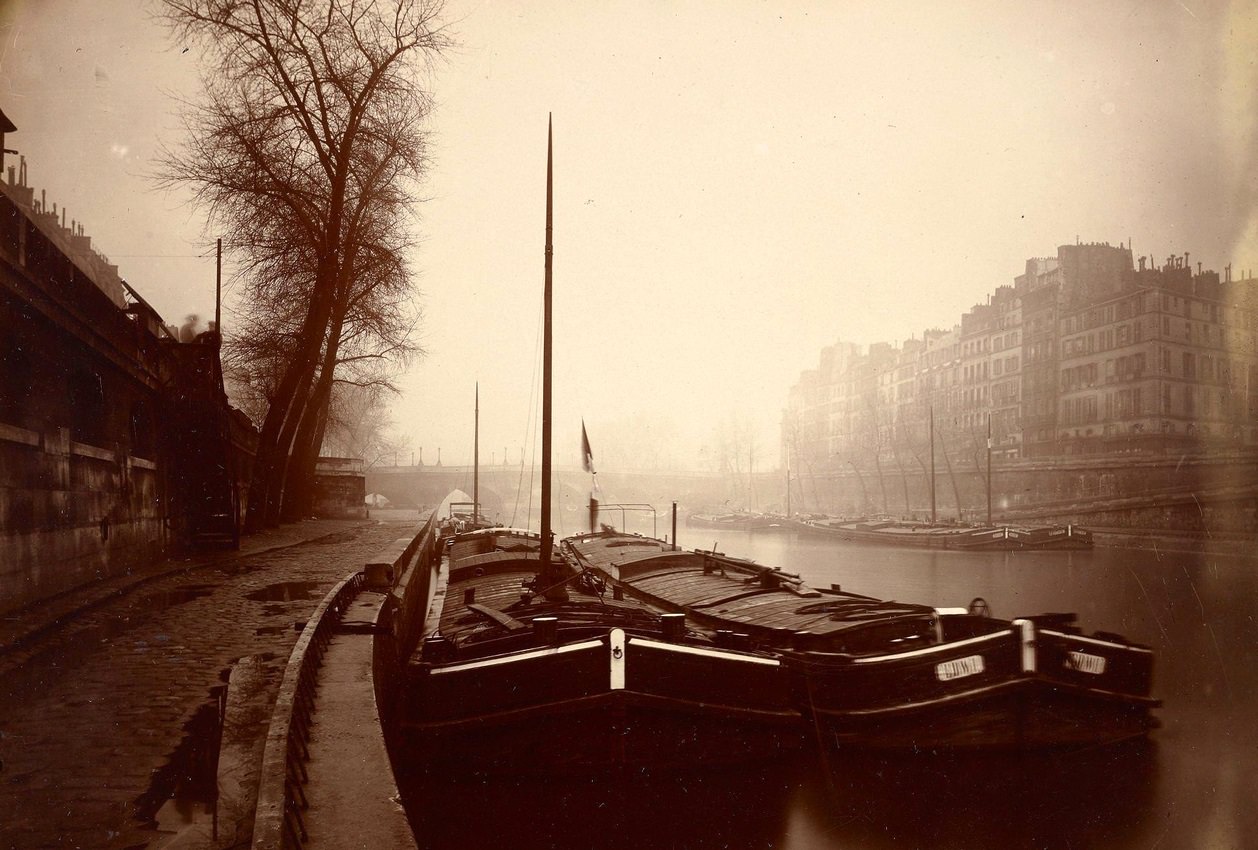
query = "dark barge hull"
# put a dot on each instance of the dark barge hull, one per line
(1021, 714)
(606, 702)
(1026, 688)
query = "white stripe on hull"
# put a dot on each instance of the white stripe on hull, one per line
(709, 653)
(934, 650)
(523, 656)
(1097, 641)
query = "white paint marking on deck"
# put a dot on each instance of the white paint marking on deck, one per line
(710, 653)
(616, 641)
(1098, 642)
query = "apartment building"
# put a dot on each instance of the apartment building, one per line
(1085, 353)
(1170, 361)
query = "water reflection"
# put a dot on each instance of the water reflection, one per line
(1098, 798)
(1187, 787)
(748, 808)
(1196, 609)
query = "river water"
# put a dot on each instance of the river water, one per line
(1190, 785)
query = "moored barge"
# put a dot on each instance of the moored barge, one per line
(885, 674)
(508, 680)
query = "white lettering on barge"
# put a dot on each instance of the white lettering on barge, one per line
(959, 668)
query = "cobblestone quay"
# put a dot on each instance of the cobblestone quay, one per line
(107, 716)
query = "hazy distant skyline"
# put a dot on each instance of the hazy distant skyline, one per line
(737, 184)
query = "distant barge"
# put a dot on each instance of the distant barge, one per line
(936, 536)
(737, 521)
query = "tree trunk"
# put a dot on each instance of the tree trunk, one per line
(298, 493)
(299, 484)
(882, 482)
(285, 413)
(956, 491)
(904, 479)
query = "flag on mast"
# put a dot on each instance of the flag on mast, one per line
(587, 463)
(587, 455)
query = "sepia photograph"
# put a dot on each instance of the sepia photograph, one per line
(459, 424)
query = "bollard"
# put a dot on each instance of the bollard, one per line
(437, 649)
(673, 626)
(546, 629)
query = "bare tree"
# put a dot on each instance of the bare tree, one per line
(358, 425)
(306, 150)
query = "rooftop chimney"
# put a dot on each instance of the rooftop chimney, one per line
(6, 126)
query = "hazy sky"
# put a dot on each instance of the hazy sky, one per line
(738, 184)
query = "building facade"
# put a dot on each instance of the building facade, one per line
(116, 439)
(1086, 353)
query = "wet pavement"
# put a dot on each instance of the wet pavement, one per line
(110, 721)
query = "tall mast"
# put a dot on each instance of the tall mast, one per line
(476, 462)
(932, 463)
(546, 570)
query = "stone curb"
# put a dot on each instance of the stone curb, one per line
(281, 797)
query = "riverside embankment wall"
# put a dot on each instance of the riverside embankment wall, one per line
(1208, 492)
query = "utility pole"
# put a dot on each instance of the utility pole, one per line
(932, 465)
(218, 293)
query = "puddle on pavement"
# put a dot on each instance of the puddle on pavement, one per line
(286, 591)
(179, 814)
(184, 791)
